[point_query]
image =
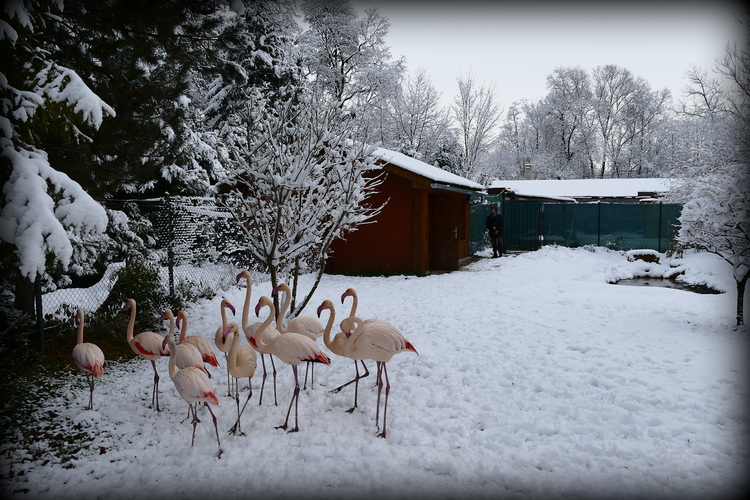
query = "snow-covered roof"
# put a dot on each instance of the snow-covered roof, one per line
(425, 169)
(583, 188)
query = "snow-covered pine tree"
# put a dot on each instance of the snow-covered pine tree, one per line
(42, 210)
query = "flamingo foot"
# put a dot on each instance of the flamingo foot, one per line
(296, 429)
(351, 410)
(281, 427)
(382, 435)
(221, 452)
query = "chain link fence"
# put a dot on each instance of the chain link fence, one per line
(194, 247)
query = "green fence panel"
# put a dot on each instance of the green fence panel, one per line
(570, 225)
(522, 225)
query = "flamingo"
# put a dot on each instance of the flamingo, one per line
(337, 347)
(185, 354)
(204, 347)
(241, 362)
(223, 344)
(305, 325)
(89, 358)
(193, 386)
(351, 292)
(291, 348)
(147, 345)
(378, 341)
(250, 330)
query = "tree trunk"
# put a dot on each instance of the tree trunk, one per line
(24, 295)
(741, 299)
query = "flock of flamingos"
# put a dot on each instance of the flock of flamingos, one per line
(359, 340)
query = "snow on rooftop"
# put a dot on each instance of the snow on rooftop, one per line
(424, 169)
(577, 188)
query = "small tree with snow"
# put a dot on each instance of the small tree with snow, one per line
(717, 218)
(43, 212)
(298, 185)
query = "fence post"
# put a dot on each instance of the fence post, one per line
(170, 248)
(599, 224)
(39, 313)
(659, 244)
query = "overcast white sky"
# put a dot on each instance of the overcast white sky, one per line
(515, 46)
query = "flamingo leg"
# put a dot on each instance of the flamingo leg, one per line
(356, 386)
(90, 380)
(307, 369)
(295, 397)
(275, 400)
(380, 365)
(195, 421)
(229, 391)
(216, 428)
(385, 405)
(237, 425)
(155, 391)
(355, 379)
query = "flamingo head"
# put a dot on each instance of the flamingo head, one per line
(326, 304)
(230, 306)
(224, 334)
(345, 294)
(275, 291)
(243, 274)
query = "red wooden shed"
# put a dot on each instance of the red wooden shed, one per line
(423, 227)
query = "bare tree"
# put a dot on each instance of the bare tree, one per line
(477, 114)
(301, 183)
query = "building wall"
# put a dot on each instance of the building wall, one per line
(385, 244)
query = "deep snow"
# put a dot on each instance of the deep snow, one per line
(535, 378)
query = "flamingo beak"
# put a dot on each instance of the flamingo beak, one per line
(343, 296)
(224, 335)
(163, 344)
(237, 278)
(257, 309)
(275, 290)
(231, 307)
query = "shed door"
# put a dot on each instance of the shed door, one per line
(445, 219)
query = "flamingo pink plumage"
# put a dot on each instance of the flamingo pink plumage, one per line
(203, 345)
(147, 345)
(241, 362)
(304, 325)
(378, 341)
(291, 348)
(222, 343)
(250, 330)
(89, 358)
(185, 354)
(193, 386)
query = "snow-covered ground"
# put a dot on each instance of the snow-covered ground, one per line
(535, 379)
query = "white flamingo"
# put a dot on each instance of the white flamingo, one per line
(291, 348)
(378, 341)
(250, 329)
(304, 325)
(147, 345)
(89, 358)
(225, 344)
(241, 363)
(193, 386)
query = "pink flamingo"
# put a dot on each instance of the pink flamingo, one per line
(89, 358)
(147, 345)
(185, 354)
(304, 325)
(378, 341)
(250, 330)
(338, 347)
(193, 386)
(291, 348)
(241, 362)
(225, 344)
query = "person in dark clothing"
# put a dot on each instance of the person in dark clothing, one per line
(495, 228)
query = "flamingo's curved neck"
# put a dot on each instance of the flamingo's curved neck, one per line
(80, 328)
(131, 322)
(287, 300)
(259, 332)
(329, 326)
(183, 325)
(246, 306)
